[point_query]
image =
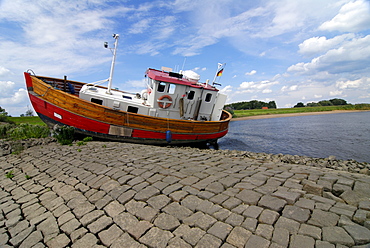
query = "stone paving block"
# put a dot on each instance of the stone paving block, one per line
(313, 188)
(322, 218)
(360, 234)
(191, 202)
(337, 235)
(159, 201)
(31, 240)
(49, 228)
(177, 242)
(107, 237)
(253, 211)
(67, 216)
(61, 240)
(288, 196)
(257, 241)
(208, 241)
(18, 238)
(60, 210)
(281, 236)
(146, 193)
(101, 203)
(114, 208)
(301, 241)
(264, 231)
(126, 196)
(99, 194)
(234, 219)
(88, 240)
(166, 222)
(341, 211)
(361, 216)
(83, 209)
(78, 233)
(125, 241)
(249, 196)
(192, 235)
(238, 237)
(178, 211)
(220, 230)
(272, 203)
(231, 203)
(305, 203)
(70, 226)
(100, 224)
(250, 224)
(268, 217)
(156, 237)
(296, 213)
(91, 217)
(308, 230)
(291, 225)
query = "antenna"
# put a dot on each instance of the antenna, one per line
(110, 79)
(183, 64)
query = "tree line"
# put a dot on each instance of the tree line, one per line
(254, 104)
(331, 102)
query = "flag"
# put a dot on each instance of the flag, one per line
(219, 73)
(220, 69)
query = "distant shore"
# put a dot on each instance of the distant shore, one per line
(269, 116)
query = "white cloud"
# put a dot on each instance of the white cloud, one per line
(354, 55)
(321, 44)
(352, 84)
(289, 88)
(19, 97)
(4, 71)
(352, 17)
(335, 93)
(250, 87)
(251, 73)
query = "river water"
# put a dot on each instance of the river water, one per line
(344, 135)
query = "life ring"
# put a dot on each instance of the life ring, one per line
(164, 103)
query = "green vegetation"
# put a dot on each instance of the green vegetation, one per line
(34, 120)
(64, 134)
(254, 112)
(23, 131)
(331, 102)
(10, 174)
(251, 105)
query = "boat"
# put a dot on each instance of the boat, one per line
(175, 107)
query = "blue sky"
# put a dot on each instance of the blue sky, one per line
(275, 50)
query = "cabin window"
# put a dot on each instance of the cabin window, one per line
(132, 109)
(97, 101)
(171, 88)
(191, 95)
(208, 97)
(161, 86)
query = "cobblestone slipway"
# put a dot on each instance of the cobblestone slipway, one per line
(128, 195)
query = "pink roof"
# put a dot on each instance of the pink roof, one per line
(165, 77)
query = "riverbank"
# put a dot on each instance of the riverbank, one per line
(268, 116)
(130, 195)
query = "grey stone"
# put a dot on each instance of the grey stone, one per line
(296, 213)
(360, 234)
(70, 226)
(208, 241)
(291, 225)
(178, 211)
(220, 230)
(114, 208)
(253, 211)
(281, 236)
(238, 237)
(90, 217)
(177, 242)
(193, 235)
(268, 217)
(100, 224)
(323, 218)
(107, 237)
(166, 222)
(31, 240)
(300, 241)
(288, 196)
(250, 224)
(126, 241)
(272, 203)
(234, 219)
(312, 231)
(313, 188)
(146, 193)
(18, 238)
(264, 231)
(257, 241)
(337, 235)
(323, 244)
(156, 237)
(59, 241)
(249, 196)
(88, 240)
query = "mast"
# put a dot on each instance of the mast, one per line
(110, 79)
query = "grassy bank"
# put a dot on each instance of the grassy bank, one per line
(34, 120)
(254, 112)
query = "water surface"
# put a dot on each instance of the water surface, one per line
(344, 135)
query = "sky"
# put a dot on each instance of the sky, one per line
(275, 50)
